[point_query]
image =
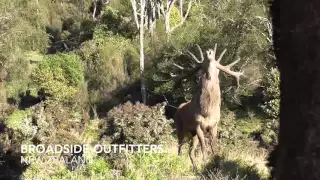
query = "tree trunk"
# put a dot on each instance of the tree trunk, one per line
(94, 10)
(297, 48)
(143, 84)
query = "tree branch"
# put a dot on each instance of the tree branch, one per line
(184, 18)
(135, 14)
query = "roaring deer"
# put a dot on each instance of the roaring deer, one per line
(202, 114)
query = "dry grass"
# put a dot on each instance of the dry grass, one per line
(230, 162)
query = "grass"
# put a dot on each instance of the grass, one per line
(241, 159)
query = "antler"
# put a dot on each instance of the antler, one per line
(227, 69)
(188, 71)
(194, 57)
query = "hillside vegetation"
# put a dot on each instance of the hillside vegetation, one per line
(67, 77)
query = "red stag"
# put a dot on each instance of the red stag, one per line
(202, 113)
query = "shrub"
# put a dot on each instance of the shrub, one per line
(110, 61)
(21, 122)
(99, 166)
(272, 94)
(137, 123)
(59, 76)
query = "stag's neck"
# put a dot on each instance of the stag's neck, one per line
(207, 99)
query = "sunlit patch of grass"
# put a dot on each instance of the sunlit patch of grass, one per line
(240, 161)
(253, 157)
(97, 169)
(157, 166)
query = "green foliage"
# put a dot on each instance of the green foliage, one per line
(99, 166)
(108, 49)
(242, 27)
(59, 76)
(272, 94)
(21, 122)
(137, 123)
(16, 119)
(117, 22)
(19, 75)
(175, 16)
(239, 132)
(97, 169)
(269, 134)
(111, 62)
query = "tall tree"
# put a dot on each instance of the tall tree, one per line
(145, 15)
(140, 25)
(296, 43)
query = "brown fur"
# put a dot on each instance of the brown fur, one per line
(202, 113)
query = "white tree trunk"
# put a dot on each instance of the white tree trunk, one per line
(94, 10)
(143, 85)
(140, 25)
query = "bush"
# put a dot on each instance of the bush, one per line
(138, 124)
(21, 122)
(59, 76)
(272, 94)
(111, 63)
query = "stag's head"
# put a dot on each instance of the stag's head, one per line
(214, 64)
(210, 64)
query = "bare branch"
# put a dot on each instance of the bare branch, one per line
(181, 9)
(178, 66)
(272, 56)
(173, 75)
(161, 8)
(135, 13)
(184, 18)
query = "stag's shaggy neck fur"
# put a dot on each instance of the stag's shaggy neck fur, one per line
(207, 98)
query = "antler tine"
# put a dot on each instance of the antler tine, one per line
(194, 57)
(221, 55)
(178, 66)
(227, 69)
(201, 53)
(233, 63)
(214, 51)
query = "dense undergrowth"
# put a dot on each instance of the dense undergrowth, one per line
(69, 78)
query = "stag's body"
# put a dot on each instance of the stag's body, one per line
(202, 114)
